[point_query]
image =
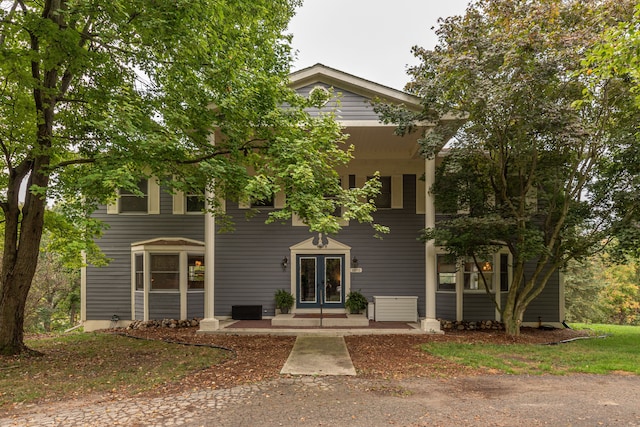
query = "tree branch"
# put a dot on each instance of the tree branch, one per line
(244, 147)
(66, 163)
(3, 34)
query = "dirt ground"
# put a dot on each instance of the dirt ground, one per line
(261, 357)
(397, 384)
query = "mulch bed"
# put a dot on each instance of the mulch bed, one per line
(266, 324)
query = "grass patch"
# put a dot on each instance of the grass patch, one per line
(618, 353)
(79, 364)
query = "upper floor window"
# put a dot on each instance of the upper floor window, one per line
(383, 199)
(132, 202)
(194, 203)
(146, 200)
(267, 202)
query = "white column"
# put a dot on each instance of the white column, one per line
(430, 323)
(209, 323)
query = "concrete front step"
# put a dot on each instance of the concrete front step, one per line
(352, 320)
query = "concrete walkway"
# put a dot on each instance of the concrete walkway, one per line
(319, 355)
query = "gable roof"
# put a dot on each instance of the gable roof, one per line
(320, 73)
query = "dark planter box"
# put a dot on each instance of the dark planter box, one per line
(246, 312)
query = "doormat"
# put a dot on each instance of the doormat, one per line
(317, 316)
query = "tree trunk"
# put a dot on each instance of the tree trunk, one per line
(511, 313)
(23, 232)
(512, 322)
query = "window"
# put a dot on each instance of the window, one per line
(473, 279)
(446, 266)
(451, 271)
(139, 272)
(504, 272)
(383, 200)
(195, 203)
(263, 203)
(131, 202)
(195, 265)
(165, 271)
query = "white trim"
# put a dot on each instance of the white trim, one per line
(83, 287)
(182, 286)
(307, 247)
(364, 124)
(132, 263)
(149, 248)
(279, 200)
(209, 323)
(95, 325)
(114, 207)
(360, 86)
(179, 207)
(150, 242)
(397, 191)
(153, 196)
(146, 286)
(561, 296)
(430, 323)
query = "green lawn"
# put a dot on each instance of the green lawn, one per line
(78, 364)
(618, 352)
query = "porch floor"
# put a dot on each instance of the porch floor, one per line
(308, 324)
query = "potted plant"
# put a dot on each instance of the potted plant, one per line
(284, 300)
(356, 302)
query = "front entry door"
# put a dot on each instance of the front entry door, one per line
(320, 281)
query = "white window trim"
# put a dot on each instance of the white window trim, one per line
(153, 201)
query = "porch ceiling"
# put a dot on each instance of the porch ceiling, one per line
(379, 142)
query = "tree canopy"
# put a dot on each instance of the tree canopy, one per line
(533, 167)
(95, 95)
(617, 58)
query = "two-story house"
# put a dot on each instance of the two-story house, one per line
(168, 260)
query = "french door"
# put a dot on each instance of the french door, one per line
(320, 281)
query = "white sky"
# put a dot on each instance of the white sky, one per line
(371, 39)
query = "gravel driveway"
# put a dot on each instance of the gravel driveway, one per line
(577, 400)
(493, 400)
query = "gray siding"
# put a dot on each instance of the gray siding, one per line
(349, 105)
(248, 261)
(109, 288)
(477, 307)
(139, 310)
(248, 269)
(195, 305)
(446, 305)
(546, 306)
(164, 305)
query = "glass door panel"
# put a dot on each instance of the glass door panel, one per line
(307, 280)
(333, 280)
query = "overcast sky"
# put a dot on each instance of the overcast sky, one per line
(371, 39)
